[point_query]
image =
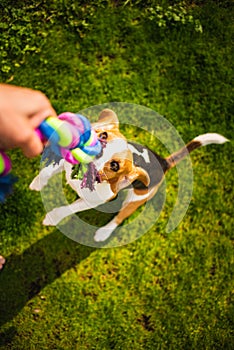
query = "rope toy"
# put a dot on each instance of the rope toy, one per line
(71, 137)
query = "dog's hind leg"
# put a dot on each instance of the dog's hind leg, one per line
(132, 202)
(53, 217)
(45, 174)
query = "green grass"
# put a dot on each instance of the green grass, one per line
(165, 290)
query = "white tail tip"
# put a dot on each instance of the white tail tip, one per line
(207, 139)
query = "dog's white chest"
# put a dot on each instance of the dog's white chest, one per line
(101, 194)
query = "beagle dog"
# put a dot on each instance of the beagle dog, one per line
(122, 165)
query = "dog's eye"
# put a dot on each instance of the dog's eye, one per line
(114, 166)
(103, 135)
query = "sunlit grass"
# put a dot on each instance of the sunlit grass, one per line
(165, 290)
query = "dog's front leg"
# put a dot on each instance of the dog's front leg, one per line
(45, 174)
(53, 217)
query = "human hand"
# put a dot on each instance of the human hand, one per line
(21, 112)
(2, 262)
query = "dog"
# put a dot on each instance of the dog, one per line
(122, 165)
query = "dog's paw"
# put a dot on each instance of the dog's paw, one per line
(53, 217)
(101, 235)
(36, 184)
(104, 232)
(48, 220)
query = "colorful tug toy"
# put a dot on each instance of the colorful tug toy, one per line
(70, 137)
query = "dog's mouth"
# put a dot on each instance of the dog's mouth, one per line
(88, 174)
(102, 176)
(98, 178)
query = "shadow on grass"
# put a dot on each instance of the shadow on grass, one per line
(25, 275)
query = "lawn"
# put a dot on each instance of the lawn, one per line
(165, 290)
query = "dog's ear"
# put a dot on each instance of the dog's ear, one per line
(136, 173)
(139, 174)
(109, 117)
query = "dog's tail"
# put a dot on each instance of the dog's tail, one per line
(199, 141)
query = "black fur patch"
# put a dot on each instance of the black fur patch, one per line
(156, 167)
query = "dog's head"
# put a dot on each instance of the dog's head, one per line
(116, 163)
